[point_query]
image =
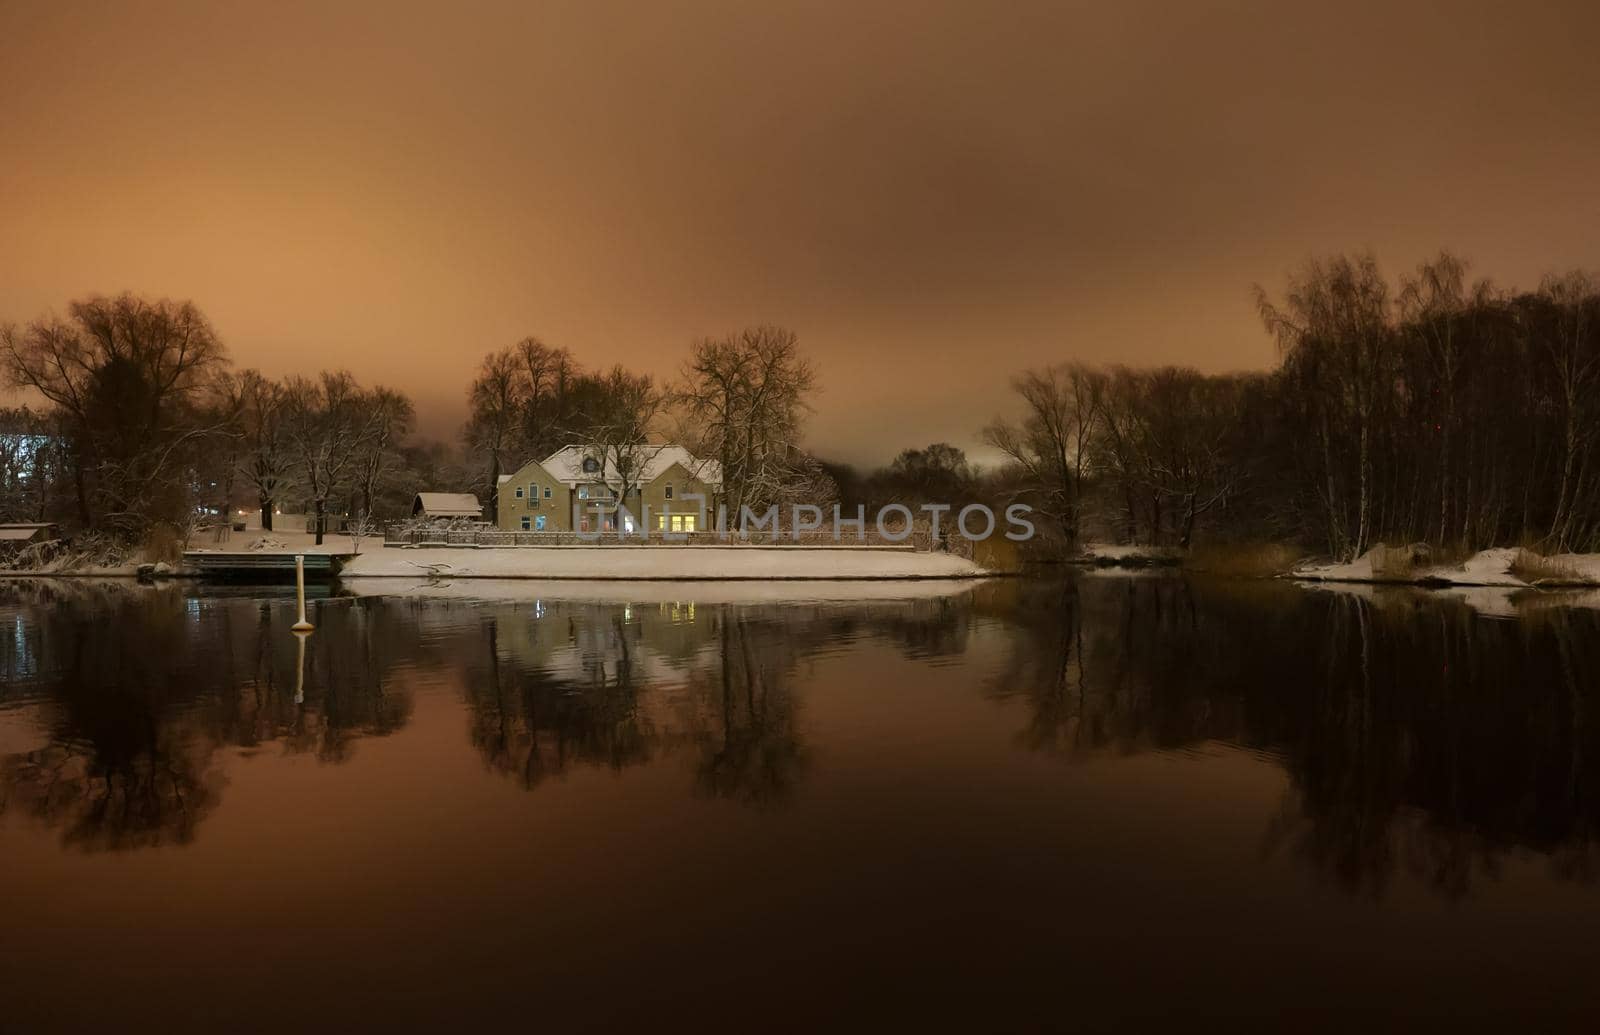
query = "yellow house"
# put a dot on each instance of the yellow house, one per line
(532, 499)
(678, 491)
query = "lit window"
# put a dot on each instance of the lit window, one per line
(583, 492)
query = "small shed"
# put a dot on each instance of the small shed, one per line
(445, 505)
(17, 536)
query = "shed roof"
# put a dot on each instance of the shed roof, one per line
(447, 504)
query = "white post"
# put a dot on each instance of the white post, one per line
(300, 593)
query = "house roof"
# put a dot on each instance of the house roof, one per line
(567, 465)
(448, 504)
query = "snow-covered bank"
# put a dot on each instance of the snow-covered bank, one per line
(1485, 568)
(1109, 555)
(659, 562)
(746, 591)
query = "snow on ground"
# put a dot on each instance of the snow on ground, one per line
(1485, 568)
(659, 562)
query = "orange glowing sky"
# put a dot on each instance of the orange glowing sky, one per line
(931, 194)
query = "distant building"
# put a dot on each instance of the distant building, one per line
(540, 496)
(446, 505)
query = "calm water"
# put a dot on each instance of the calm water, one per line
(1012, 806)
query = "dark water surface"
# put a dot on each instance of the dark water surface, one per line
(1008, 806)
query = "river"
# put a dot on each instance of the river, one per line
(1018, 804)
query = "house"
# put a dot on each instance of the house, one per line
(446, 505)
(541, 494)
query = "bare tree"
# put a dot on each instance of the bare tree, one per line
(616, 424)
(389, 418)
(743, 400)
(1569, 343)
(495, 401)
(1437, 308)
(547, 406)
(265, 458)
(126, 376)
(1335, 334)
(1052, 442)
(327, 426)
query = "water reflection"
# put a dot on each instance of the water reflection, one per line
(137, 689)
(1417, 735)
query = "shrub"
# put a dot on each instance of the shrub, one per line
(162, 542)
(1530, 567)
(1242, 560)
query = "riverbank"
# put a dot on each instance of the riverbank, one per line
(677, 563)
(370, 558)
(1504, 567)
(1500, 567)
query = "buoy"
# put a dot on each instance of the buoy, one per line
(300, 593)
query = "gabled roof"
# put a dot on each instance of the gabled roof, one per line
(447, 504)
(567, 465)
(22, 531)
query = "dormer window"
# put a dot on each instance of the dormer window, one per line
(590, 465)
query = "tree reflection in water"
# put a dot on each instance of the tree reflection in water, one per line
(1417, 735)
(139, 689)
(618, 685)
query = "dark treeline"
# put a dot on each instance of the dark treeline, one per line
(1436, 409)
(1444, 411)
(137, 421)
(146, 423)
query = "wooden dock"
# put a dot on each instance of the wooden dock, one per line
(259, 566)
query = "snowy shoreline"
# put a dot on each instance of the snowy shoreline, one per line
(371, 558)
(1486, 568)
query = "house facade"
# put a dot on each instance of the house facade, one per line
(543, 495)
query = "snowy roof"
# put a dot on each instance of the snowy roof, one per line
(567, 464)
(447, 504)
(22, 531)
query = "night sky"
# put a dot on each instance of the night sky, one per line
(932, 195)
